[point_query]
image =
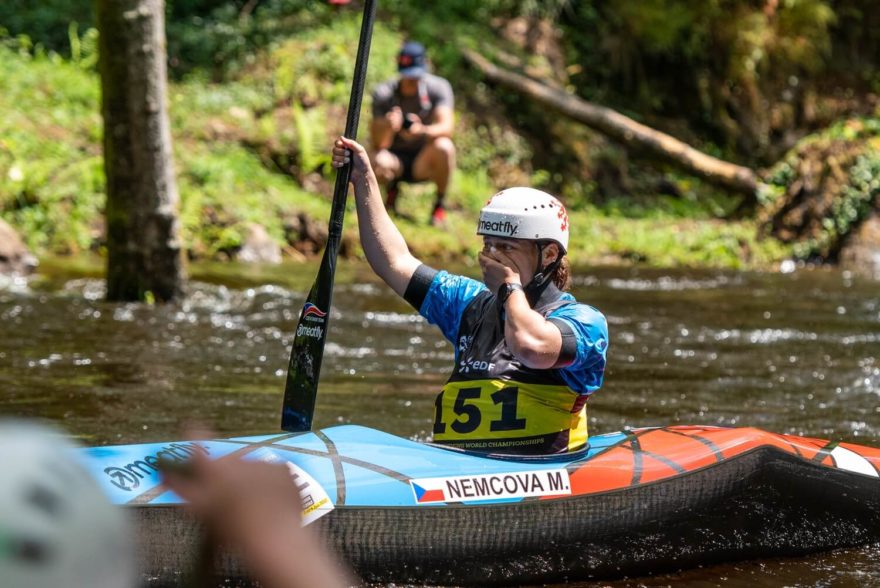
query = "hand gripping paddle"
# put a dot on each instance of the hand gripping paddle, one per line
(301, 387)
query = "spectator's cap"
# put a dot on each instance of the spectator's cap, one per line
(412, 61)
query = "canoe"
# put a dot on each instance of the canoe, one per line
(636, 502)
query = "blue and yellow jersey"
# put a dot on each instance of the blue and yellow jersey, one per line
(494, 403)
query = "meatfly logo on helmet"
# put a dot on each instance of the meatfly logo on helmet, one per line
(506, 227)
(311, 310)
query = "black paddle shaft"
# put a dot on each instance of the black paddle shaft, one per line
(307, 351)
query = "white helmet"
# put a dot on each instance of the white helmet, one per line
(525, 213)
(57, 528)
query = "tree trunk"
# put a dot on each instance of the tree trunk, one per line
(625, 130)
(143, 245)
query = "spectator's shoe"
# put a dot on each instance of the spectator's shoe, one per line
(438, 217)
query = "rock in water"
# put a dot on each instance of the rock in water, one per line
(14, 255)
(259, 247)
(861, 252)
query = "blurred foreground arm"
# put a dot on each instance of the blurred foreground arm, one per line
(255, 507)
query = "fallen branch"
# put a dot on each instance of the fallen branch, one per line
(625, 130)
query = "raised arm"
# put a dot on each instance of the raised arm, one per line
(384, 246)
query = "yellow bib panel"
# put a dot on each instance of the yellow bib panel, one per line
(502, 416)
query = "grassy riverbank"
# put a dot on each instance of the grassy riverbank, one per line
(253, 150)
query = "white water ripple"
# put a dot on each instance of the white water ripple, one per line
(669, 284)
(761, 336)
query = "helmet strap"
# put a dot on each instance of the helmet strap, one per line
(542, 277)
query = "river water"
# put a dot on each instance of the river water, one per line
(792, 353)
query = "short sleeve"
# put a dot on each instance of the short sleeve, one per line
(441, 93)
(383, 98)
(447, 298)
(586, 371)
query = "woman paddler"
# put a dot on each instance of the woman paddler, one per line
(527, 355)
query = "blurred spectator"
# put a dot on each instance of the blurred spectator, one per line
(412, 129)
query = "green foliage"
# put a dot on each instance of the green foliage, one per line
(316, 66)
(668, 242)
(859, 194)
(704, 205)
(857, 41)
(51, 177)
(225, 187)
(51, 171)
(215, 35)
(809, 179)
(310, 131)
(223, 36)
(224, 184)
(267, 84)
(784, 172)
(715, 63)
(83, 50)
(852, 129)
(45, 22)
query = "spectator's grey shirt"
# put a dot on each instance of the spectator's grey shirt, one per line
(433, 91)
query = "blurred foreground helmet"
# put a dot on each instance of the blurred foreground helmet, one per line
(57, 528)
(525, 213)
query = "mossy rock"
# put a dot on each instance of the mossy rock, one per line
(824, 189)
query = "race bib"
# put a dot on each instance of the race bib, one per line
(494, 415)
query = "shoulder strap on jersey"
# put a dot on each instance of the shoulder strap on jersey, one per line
(548, 310)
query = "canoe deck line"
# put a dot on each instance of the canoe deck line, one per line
(641, 501)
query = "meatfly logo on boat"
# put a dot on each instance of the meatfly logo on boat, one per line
(128, 477)
(491, 486)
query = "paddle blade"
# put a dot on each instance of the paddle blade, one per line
(307, 351)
